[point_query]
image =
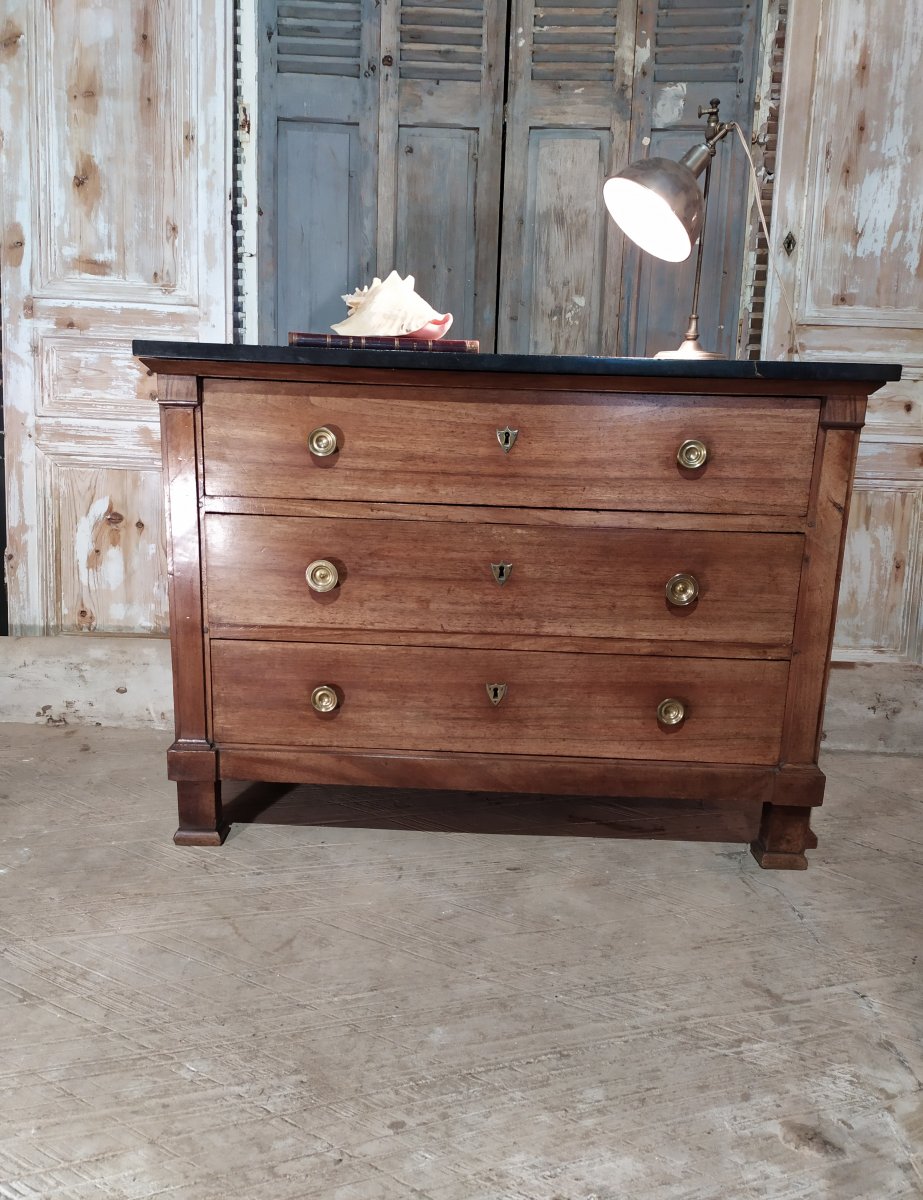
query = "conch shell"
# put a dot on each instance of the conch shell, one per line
(391, 308)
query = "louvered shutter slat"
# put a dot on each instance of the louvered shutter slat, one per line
(574, 45)
(319, 38)
(442, 42)
(696, 44)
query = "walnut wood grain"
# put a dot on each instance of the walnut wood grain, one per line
(482, 641)
(784, 835)
(586, 450)
(419, 498)
(434, 699)
(201, 822)
(728, 786)
(436, 576)
(817, 597)
(798, 786)
(573, 518)
(191, 759)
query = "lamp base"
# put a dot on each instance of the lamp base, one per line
(689, 348)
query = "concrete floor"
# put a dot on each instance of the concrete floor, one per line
(384, 1014)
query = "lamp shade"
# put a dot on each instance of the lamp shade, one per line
(658, 204)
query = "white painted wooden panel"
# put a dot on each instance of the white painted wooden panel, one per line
(108, 548)
(114, 205)
(849, 187)
(882, 572)
(868, 196)
(114, 140)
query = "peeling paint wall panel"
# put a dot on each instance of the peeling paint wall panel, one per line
(124, 682)
(114, 201)
(880, 591)
(850, 188)
(868, 197)
(110, 552)
(115, 129)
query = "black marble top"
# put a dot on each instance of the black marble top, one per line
(545, 364)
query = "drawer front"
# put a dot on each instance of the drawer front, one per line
(444, 445)
(576, 705)
(556, 581)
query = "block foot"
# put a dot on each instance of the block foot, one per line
(785, 833)
(201, 821)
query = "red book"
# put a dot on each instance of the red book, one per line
(337, 341)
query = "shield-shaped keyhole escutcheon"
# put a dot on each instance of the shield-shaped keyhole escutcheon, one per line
(496, 692)
(507, 438)
(501, 572)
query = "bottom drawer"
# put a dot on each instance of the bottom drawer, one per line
(583, 705)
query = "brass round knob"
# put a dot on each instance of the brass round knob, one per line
(682, 589)
(671, 712)
(322, 576)
(692, 454)
(322, 441)
(324, 698)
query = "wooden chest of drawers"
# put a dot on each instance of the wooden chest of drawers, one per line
(573, 577)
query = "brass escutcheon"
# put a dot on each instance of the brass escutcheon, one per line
(322, 576)
(692, 454)
(501, 572)
(495, 692)
(507, 438)
(324, 698)
(682, 589)
(671, 712)
(322, 441)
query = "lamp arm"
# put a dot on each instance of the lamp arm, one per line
(699, 157)
(692, 332)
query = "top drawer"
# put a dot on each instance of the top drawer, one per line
(508, 447)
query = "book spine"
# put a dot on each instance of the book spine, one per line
(332, 341)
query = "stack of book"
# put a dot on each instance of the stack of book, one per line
(336, 341)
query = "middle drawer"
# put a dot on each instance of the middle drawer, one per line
(262, 573)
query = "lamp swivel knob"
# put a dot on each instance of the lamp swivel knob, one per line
(322, 576)
(322, 441)
(324, 699)
(671, 712)
(682, 589)
(692, 454)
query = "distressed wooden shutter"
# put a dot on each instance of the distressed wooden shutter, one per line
(567, 129)
(688, 53)
(318, 115)
(382, 152)
(440, 126)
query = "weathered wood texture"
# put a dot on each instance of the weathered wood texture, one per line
(111, 553)
(687, 54)
(380, 135)
(467, 144)
(849, 181)
(568, 116)
(111, 138)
